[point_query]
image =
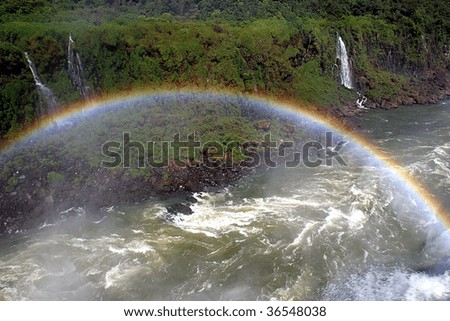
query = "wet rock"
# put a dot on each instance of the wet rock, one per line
(364, 83)
(263, 125)
(180, 208)
(191, 199)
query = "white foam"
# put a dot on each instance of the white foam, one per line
(112, 276)
(212, 215)
(424, 287)
(383, 284)
(356, 219)
(136, 246)
(309, 228)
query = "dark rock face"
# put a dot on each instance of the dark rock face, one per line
(430, 88)
(178, 209)
(34, 201)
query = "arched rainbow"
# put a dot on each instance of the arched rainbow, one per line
(307, 111)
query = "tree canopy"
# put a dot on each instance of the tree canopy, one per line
(283, 47)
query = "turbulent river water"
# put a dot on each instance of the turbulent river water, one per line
(325, 233)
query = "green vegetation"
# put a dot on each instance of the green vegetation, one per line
(11, 184)
(284, 48)
(55, 178)
(223, 120)
(73, 154)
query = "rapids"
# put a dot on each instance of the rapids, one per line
(327, 233)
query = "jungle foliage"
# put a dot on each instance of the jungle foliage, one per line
(283, 48)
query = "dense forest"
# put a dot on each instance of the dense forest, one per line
(398, 49)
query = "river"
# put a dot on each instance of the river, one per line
(325, 233)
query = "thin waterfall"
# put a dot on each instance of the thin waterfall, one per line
(51, 103)
(76, 70)
(345, 73)
(345, 70)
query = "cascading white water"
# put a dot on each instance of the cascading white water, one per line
(76, 70)
(361, 101)
(50, 99)
(345, 71)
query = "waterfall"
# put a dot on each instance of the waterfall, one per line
(50, 100)
(342, 56)
(345, 73)
(76, 70)
(361, 101)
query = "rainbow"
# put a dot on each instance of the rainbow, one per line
(309, 112)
